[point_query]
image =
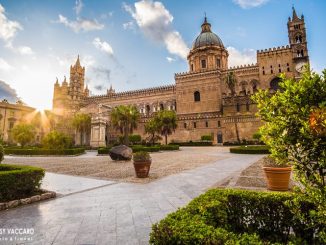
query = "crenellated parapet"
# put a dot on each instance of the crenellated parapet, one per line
(274, 50)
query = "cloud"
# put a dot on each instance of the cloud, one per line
(8, 28)
(7, 92)
(103, 46)
(170, 59)
(155, 21)
(246, 56)
(247, 4)
(128, 25)
(78, 7)
(4, 66)
(80, 24)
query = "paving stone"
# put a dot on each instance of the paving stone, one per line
(121, 213)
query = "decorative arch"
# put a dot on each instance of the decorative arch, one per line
(196, 96)
(254, 83)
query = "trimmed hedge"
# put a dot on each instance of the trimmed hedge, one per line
(19, 181)
(41, 151)
(196, 143)
(169, 147)
(228, 216)
(103, 150)
(206, 137)
(261, 149)
(137, 148)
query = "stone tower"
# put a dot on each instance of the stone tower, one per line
(69, 97)
(298, 41)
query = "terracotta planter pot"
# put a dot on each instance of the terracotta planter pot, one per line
(142, 168)
(277, 178)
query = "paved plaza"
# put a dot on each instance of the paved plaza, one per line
(115, 212)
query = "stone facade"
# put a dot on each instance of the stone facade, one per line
(12, 114)
(204, 103)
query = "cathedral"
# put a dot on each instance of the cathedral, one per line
(210, 98)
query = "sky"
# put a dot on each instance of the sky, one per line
(135, 44)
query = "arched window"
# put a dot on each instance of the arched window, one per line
(197, 96)
(238, 107)
(203, 64)
(274, 84)
(161, 107)
(148, 109)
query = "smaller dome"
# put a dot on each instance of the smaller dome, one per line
(207, 37)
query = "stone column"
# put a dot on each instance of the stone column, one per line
(98, 128)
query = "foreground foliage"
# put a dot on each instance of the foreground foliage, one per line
(237, 217)
(295, 131)
(19, 181)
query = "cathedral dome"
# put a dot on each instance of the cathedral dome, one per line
(207, 37)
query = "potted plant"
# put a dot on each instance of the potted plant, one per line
(277, 174)
(142, 163)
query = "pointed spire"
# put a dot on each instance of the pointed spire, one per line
(77, 61)
(64, 81)
(294, 14)
(56, 81)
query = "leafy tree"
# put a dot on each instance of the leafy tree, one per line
(23, 133)
(125, 119)
(295, 130)
(82, 123)
(152, 127)
(167, 123)
(57, 140)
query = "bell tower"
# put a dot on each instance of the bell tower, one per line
(77, 80)
(298, 41)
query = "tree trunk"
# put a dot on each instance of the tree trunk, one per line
(126, 136)
(81, 137)
(166, 138)
(153, 140)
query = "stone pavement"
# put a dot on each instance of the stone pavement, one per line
(66, 184)
(120, 213)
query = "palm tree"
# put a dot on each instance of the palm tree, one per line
(125, 119)
(231, 81)
(167, 121)
(82, 123)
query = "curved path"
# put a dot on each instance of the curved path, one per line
(118, 213)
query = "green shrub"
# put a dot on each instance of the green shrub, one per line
(137, 148)
(42, 151)
(103, 150)
(235, 217)
(169, 147)
(1, 153)
(19, 181)
(57, 140)
(141, 156)
(206, 137)
(262, 149)
(196, 143)
(135, 138)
